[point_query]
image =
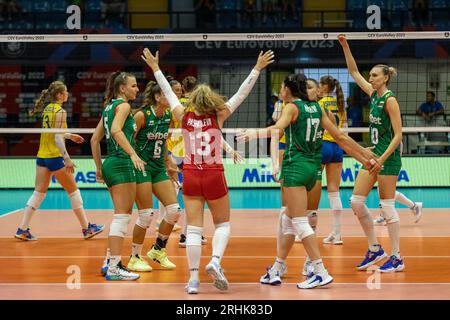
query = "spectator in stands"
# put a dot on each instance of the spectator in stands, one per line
(113, 11)
(289, 4)
(10, 9)
(420, 13)
(205, 13)
(270, 7)
(249, 12)
(431, 107)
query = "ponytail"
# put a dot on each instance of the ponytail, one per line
(339, 97)
(109, 93)
(53, 89)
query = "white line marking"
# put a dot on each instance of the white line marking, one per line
(225, 257)
(11, 212)
(232, 283)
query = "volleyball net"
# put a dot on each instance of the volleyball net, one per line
(29, 63)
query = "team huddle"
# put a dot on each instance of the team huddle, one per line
(144, 158)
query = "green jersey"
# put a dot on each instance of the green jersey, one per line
(380, 129)
(304, 136)
(152, 137)
(129, 128)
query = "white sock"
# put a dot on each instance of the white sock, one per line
(400, 197)
(114, 261)
(336, 205)
(278, 264)
(136, 249)
(220, 241)
(394, 236)
(26, 219)
(319, 268)
(81, 216)
(365, 219)
(194, 249)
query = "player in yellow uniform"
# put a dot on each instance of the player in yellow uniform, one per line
(53, 160)
(332, 154)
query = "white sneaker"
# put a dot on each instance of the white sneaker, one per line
(283, 270)
(216, 273)
(271, 277)
(333, 239)
(192, 286)
(380, 221)
(119, 273)
(417, 211)
(315, 281)
(308, 268)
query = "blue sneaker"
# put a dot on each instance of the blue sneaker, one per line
(92, 230)
(372, 258)
(271, 277)
(24, 235)
(316, 281)
(394, 264)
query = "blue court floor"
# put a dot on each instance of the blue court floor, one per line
(12, 200)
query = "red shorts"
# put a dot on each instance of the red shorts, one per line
(210, 184)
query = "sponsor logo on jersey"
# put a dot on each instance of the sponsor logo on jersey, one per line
(157, 136)
(374, 120)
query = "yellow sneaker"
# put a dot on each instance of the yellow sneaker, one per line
(160, 256)
(137, 263)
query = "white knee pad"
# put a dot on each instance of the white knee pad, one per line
(194, 236)
(286, 225)
(75, 200)
(145, 218)
(335, 200)
(358, 204)
(312, 218)
(36, 200)
(302, 227)
(223, 228)
(119, 225)
(172, 214)
(389, 211)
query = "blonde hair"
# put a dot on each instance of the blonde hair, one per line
(53, 89)
(204, 100)
(387, 71)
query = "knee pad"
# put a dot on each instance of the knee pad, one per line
(172, 214)
(389, 211)
(36, 200)
(358, 204)
(312, 218)
(194, 236)
(286, 225)
(302, 227)
(119, 225)
(145, 218)
(223, 228)
(75, 200)
(335, 200)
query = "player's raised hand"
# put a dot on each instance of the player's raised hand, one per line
(343, 40)
(151, 60)
(264, 59)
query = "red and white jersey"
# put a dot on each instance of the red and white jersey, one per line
(202, 141)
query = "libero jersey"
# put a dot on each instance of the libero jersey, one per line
(330, 103)
(47, 144)
(152, 137)
(380, 129)
(202, 141)
(129, 128)
(175, 144)
(304, 136)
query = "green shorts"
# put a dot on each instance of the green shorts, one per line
(151, 174)
(319, 170)
(390, 170)
(300, 173)
(117, 170)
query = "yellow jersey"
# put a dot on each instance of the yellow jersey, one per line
(175, 144)
(283, 138)
(330, 103)
(47, 145)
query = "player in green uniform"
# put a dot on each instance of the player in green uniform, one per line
(153, 121)
(118, 169)
(304, 123)
(385, 137)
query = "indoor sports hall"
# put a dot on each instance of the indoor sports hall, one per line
(60, 264)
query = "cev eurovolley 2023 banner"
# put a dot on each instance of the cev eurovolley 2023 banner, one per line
(254, 173)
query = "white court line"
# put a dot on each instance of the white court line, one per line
(274, 237)
(232, 283)
(11, 212)
(204, 257)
